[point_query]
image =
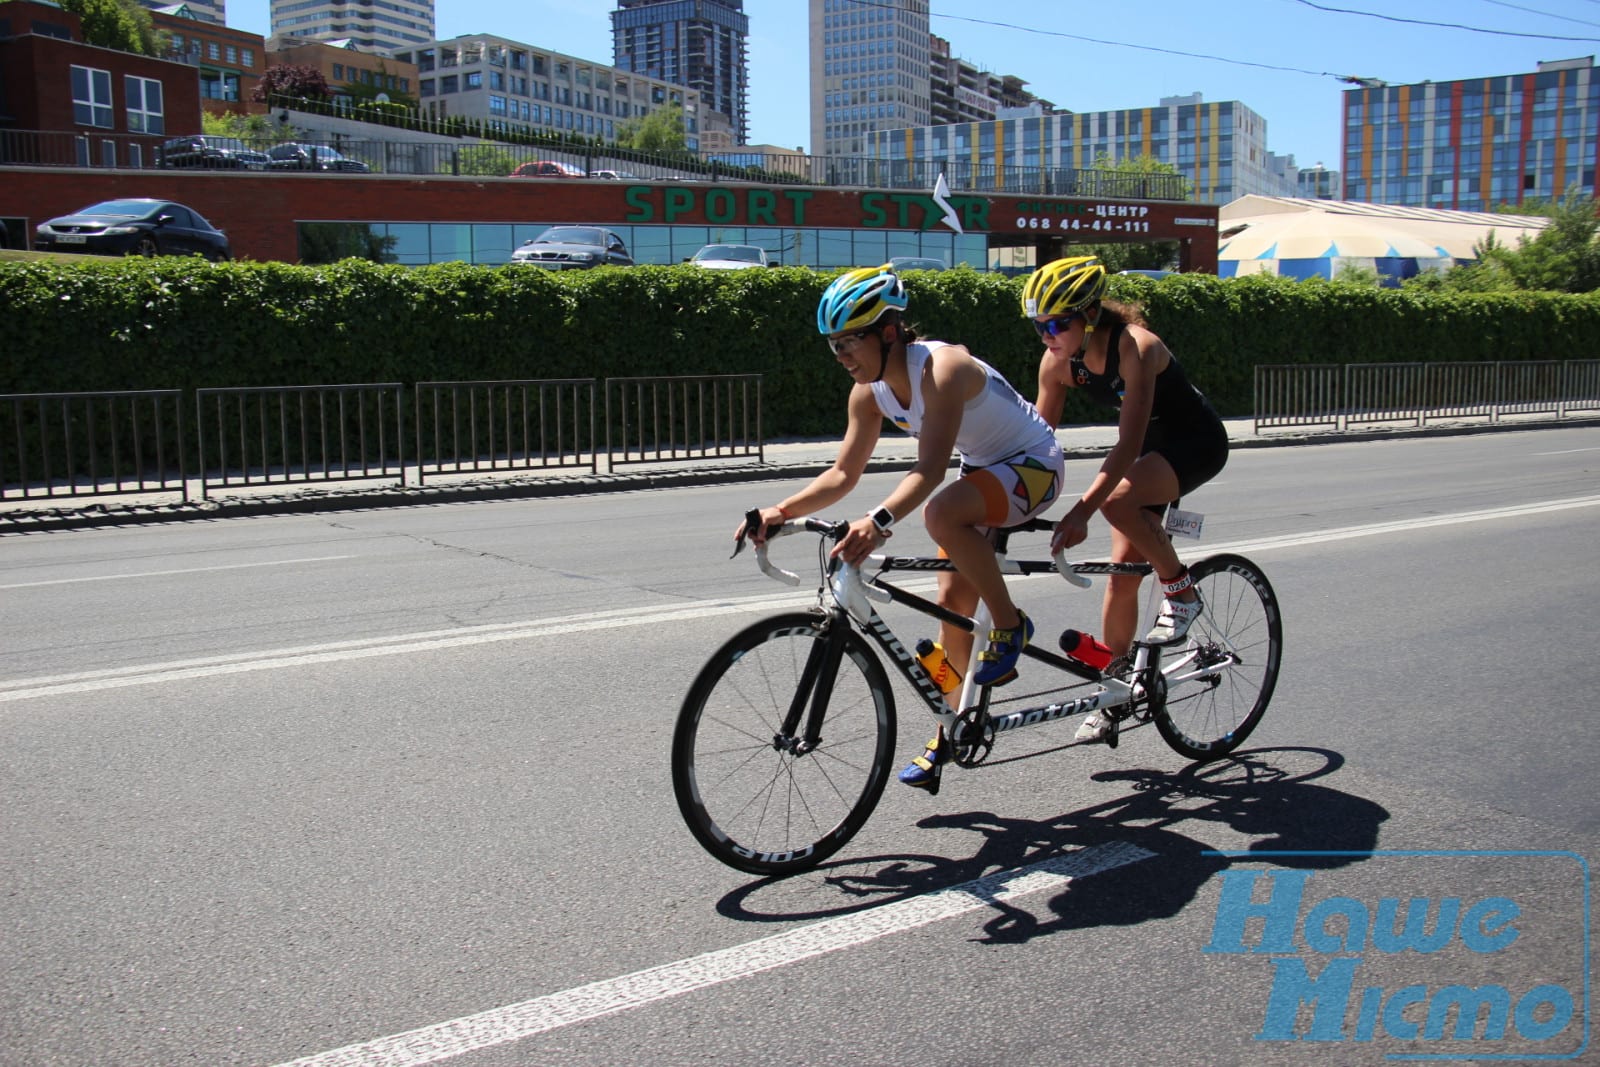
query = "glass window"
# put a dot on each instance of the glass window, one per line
(491, 244)
(410, 243)
(450, 240)
(474, 80)
(144, 105)
(91, 97)
(834, 249)
(652, 244)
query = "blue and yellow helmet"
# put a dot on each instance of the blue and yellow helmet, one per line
(860, 298)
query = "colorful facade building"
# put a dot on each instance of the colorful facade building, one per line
(1220, 147)
(1476, 143)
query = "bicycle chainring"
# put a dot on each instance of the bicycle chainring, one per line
(972, 739)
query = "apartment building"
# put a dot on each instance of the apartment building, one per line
(1476, 143)
(698, 44)
(384, 27)
(1220, 147)
(349, 71)
(228, 62)
(513, 85)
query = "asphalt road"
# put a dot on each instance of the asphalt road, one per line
(285, 788)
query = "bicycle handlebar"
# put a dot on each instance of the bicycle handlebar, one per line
(836, 531)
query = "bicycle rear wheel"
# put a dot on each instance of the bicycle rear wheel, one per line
(1220, 679)
(757, 798)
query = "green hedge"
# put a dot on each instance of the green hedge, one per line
(181, 323)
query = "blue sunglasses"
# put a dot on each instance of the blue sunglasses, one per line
(1056, 327)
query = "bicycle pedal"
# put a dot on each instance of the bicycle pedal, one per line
(1111, 734)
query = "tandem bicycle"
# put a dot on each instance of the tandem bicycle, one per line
(786, 738)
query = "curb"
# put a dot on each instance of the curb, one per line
(89, 516)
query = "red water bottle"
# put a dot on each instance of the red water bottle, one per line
(1086, 649)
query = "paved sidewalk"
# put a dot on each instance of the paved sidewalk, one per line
(786, 460)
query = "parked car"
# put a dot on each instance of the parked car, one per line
(917, 263)
(731, 257)
(133, 227)
(574, 248)
(547, 168)
(615, 176)
(1156, 274)
(203, 150)
(291, 155)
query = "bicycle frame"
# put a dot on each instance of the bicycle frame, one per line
(851, 593)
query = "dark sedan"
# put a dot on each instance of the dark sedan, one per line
(133, 227)
(574, 248)
(296, 156)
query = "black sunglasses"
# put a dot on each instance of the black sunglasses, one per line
(1056, 327)
(839, 344)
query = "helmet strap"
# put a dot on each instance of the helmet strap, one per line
(884, 348)
(1088, 328)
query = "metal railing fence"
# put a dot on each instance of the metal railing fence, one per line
(92, 444)
(650, 420)
(304, 433)
(473, 427)
(80, 444)
(1342, 396)
(459, 157)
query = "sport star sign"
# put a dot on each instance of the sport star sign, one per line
(1074, 219)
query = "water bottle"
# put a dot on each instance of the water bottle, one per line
(931, 655)
(1086, 649)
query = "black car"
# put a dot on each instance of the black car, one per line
(295, 156)
(203, 150)
(574, 248)
(133, 227)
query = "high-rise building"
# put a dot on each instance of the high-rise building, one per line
(1220, 147)
(871, 69)
(1473, 144)
(698, 44)
(960, 91)
(385, 28)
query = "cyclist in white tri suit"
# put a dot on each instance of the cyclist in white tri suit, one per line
(953, 403)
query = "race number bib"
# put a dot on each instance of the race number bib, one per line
(1184, 523)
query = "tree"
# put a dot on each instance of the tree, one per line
(660, 131)
(288, 80)
(485, 160)
(1148, 255)
(1564, 257)
(121, 24)
(255, 129)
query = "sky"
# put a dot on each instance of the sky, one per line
(1281, 58)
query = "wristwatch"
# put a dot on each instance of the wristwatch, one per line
(882, 518)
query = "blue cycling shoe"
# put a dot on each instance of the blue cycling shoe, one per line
(998, 662)
(923, 772)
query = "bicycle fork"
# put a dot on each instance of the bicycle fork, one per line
(811, 696)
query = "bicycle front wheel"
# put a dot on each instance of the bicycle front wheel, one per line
(757, 796)
(1220, 679)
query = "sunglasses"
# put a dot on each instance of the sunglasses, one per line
(844, 341)
(1056, 327)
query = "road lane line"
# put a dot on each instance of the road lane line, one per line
(163, 574)
(619, 618)
(514, 1022)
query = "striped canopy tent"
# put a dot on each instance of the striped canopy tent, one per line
(1317, 238)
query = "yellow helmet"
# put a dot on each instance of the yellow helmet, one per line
(1063, 287)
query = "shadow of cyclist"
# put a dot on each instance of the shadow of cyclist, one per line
(1265, 795)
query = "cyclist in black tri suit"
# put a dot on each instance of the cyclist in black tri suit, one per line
(1169, 441)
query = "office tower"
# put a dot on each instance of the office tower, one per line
(384, 28)
(698, 44)
(1473, 144)
(871, 69)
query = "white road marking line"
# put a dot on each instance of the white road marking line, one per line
(499, 1026)
(1567, 451)
(618, 618)
(163, 574)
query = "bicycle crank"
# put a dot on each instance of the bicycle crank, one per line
(972, 739)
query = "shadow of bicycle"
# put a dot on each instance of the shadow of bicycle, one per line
(1269, 796)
